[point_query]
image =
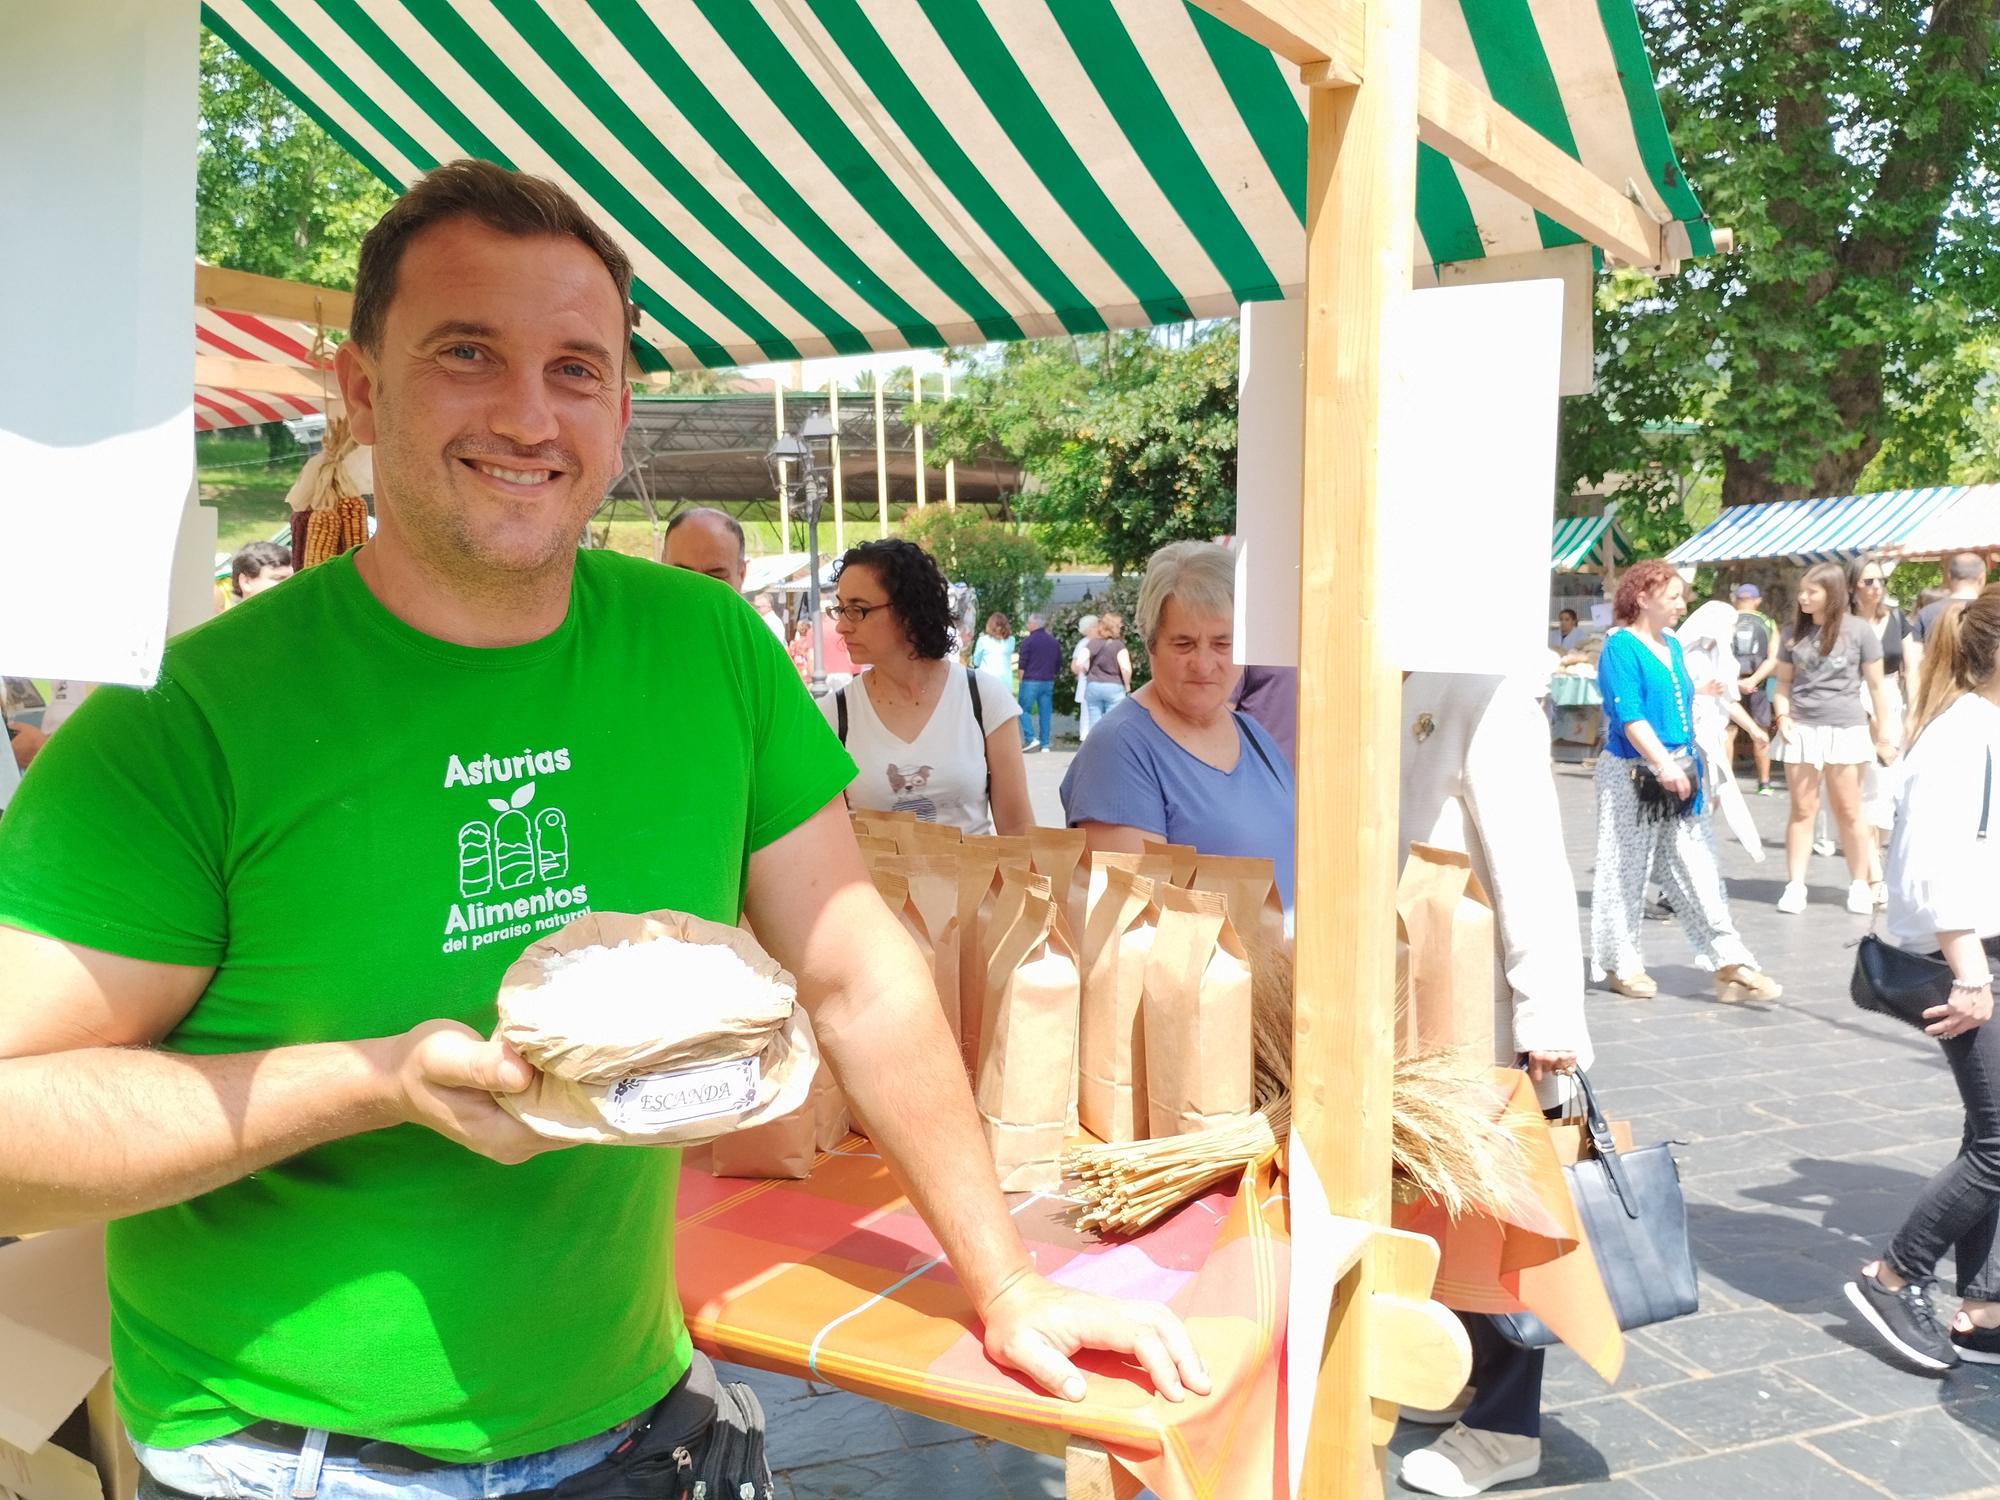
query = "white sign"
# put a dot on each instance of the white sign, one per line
(97, 148)
(1465, 479)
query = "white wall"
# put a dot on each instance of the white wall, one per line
(97, 152)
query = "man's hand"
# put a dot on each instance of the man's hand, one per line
(1035, 1326)
(445, 1076)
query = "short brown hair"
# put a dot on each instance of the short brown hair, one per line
(1640, 580)
(510, 202)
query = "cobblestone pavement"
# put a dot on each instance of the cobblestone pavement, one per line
(1809, 1129)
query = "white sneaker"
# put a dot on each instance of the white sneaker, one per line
(1467, 1461)
(1880, 891)
(1861, 898)
(1794, 899)
(1031, 745)
(1823, 848)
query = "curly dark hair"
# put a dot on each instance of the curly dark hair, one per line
(1639, 580)
(917, 591)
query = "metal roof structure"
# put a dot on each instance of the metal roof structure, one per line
(709, 450)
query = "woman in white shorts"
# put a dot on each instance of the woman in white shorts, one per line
(1824, 660)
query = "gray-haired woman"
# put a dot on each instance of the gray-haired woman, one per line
(1174, 761)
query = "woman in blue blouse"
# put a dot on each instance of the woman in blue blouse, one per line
(1174, 761)
(1649, 788)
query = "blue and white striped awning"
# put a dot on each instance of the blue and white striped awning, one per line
(1809, 531)
(1576, 545)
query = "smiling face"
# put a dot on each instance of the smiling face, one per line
(496, 400)
(1190, 654)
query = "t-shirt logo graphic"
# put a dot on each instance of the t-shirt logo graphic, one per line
(905, 780)
(513, 850)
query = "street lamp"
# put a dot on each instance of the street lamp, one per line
(799, 462)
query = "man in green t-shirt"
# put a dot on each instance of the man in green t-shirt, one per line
(252, 923)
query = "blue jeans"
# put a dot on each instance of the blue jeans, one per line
(1099, 698)
(1038, 698)
(233, 1468)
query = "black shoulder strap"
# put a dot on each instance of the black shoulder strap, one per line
(1986, 794)
(1250, 734)
(840, 715)
(979, 718)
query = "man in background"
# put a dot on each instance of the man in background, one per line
(1754, 643)
(1041, 658)
(257, 567)
(704, 540)
(1964, 577)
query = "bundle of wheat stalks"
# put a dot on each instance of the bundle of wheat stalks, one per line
(339, 518)
(1443, 1138)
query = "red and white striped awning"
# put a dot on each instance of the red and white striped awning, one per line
(249, 339)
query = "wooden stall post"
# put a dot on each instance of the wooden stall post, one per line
(881, 465)
(1360, 209)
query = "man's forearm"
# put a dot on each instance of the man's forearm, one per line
(893, 1054)
(102, 1133)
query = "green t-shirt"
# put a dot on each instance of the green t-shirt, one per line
(360, 827)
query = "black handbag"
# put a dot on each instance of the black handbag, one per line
(1657, 802)
(1895, 982)
(1636, 1219)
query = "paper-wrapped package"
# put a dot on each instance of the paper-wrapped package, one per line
(928, 908)
(1027, 1066)
(981, 861)
(1445, 918)
(1183, 858)
(672, 1046)
(1118, 928)
(1058, 854)
(1252, 888)
(1197, 1017)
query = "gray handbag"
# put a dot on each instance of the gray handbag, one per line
(1632, 1210)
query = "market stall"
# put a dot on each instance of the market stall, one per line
(1832, 529)
(795, 182)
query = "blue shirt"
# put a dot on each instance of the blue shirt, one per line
(1635, 684)
(1131, 772)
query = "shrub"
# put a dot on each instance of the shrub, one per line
(1121, 595)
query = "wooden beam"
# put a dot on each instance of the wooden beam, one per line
(1360, 227)
(268, 297)
(1458, 118)
(1322, 39)
(261, 378)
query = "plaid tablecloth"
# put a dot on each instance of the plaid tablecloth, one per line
(836, 1278)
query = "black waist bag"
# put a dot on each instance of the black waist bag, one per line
(704, 1441)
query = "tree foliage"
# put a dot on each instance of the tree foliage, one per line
(1007, 568)
(1852, 147)
(1130, 439)
(274, 193)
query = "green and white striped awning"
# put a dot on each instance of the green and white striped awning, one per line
(1576, 545)
(806, 177)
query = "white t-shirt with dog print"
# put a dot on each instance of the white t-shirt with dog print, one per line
(941, 774)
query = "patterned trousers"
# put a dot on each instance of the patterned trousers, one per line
(1677, 852)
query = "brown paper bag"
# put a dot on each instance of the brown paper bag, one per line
(1252, 888)
(1111, 1054)
(1183, 856)
(1196, 1017)
(937, 838)
(1028, 1056)
(1058, 854)
(981, 860)
(870, 845)
(929, 911)
(1446, 918)
(833, 1119)
(882, 815)
(783, 1148)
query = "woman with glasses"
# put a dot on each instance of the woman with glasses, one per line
(921, 741)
